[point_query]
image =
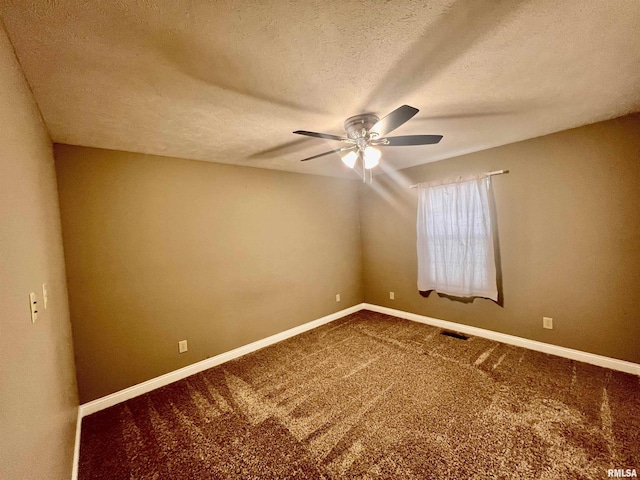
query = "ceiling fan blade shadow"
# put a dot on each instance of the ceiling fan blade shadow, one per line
(326, 153)
(392, 121)
(460, 27)
(326, 136)
(210, 64)
(406, 140)
(279, 150)
(464, 115)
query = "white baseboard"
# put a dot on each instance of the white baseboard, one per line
(592, 358)
(76, 448)
(145, 387)
(149, 385)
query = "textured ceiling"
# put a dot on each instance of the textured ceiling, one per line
(228, 81)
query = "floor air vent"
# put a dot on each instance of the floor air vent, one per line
(459, 336)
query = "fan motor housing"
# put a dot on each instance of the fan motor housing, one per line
(358, 126)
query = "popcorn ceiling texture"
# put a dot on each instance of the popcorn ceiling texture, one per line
(228, 81)
(373, 396)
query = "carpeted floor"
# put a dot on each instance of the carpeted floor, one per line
(373, 396)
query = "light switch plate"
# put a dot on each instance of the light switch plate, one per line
(33, 302)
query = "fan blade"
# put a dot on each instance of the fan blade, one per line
(325, 153)
(410, 140)
(321, 135)
(394, 120)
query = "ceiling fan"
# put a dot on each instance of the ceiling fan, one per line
(365, 132)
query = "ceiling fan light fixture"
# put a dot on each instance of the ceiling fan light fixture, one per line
(371, 157)
(350, 159)
(366, 131)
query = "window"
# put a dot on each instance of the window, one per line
(455, 238)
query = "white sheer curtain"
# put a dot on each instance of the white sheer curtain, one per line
(455, 238)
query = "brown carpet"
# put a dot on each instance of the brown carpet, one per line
(373, 396)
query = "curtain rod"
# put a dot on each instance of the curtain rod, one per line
(488, 174)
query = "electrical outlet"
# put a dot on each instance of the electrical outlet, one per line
(338, 297)
(547, 322)
(182, 346)
(392, 295)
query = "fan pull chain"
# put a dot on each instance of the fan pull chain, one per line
(364, 174)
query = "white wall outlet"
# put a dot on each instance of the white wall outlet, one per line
(45, 295)
(547, 322)
(338, 297)
(392, 295)
(33, 302)
(182, 346)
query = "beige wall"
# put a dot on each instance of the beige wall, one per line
(38, 399)
(160, 250)
(569, 232)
